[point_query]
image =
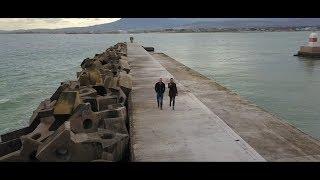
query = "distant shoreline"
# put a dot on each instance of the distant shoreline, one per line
(163, 32)
(194, 30)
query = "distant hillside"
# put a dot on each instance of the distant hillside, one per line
(274, 22)
(135, 24)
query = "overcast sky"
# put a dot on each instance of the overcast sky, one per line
(50, 23)
(54, 23)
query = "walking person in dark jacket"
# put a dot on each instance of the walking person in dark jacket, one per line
(173, 92)
(160, 88)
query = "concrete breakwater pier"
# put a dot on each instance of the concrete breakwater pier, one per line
(110, 114)
(191, 132)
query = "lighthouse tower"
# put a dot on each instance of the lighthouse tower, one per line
(312, 49)
(313, 40)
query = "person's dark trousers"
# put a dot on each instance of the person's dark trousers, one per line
(160, 99)
(172, 99)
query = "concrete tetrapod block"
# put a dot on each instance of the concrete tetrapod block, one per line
(72, 86)
(78, 74)
(107, 66)
(109, 116)
(115, 149)
(90, 76)
(87, 91)
(114, 83)
(111, 113)
(84, 78)
(101, 90)
(104, 59)
(125, 65)
(125, 58)
(84, 120)
(7, 137)
(122, 97)
(45, 109)
(9, 147)
(35, 114)
(92, 101)
(107, 81)
(122, 53)
(122, 111)
(115, 69)
(97, 64)
(42, 131)
(57, 93)
(27, 152)
(114, 144)
(97, 56)
(11, 157)
(66, 146)
(113, 55)
(86, 63)
(105, 72)
(116, 124)
(66, 103)
(95, 76)
(125, 82)
(30, 142)
(29, 149)
(104, 101)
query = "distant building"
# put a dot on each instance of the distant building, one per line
(122, 31)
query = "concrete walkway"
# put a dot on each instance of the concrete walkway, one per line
(192, 132)
(272, 137)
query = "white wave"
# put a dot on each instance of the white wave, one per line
(4, 100)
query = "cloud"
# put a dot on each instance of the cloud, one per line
(50, 23)
(52, 20)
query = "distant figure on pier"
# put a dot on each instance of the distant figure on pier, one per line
(160, 89)
(131, 39)
(173, 92)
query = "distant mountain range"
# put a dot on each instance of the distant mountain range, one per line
(254, 23)
(144, 24)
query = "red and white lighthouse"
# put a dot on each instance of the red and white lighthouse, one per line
(313, 40)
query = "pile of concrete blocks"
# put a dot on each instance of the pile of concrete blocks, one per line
(85, 120)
